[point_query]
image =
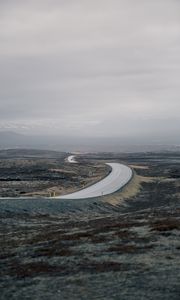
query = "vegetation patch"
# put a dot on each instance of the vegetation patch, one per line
(165, 225)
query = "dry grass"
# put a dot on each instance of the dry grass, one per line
(129, 191)
(139, 167)
(166, 225)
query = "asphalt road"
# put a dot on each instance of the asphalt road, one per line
(71, 159)
(119, 177)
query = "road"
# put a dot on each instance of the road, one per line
(71, 159)
(119, 177)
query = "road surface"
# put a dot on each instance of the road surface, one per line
(119, 177)
(71, 159)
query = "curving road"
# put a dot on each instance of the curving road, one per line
(118, 178)
(71, 159)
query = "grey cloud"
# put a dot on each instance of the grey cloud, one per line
(90, 67)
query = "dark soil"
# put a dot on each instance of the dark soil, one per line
(92, 250)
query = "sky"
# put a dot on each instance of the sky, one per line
(103, 68)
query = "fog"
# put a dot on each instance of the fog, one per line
(99, 68)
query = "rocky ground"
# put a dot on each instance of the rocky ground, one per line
(44, 173)
(97, 249)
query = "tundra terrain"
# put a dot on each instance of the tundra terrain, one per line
(122, 246)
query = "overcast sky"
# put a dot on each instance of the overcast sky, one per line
(90, 67)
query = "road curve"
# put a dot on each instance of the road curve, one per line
(71, 159)
(118, 178)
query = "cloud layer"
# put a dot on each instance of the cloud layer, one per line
(99, 67)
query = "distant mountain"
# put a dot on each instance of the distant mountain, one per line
(9, 140)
